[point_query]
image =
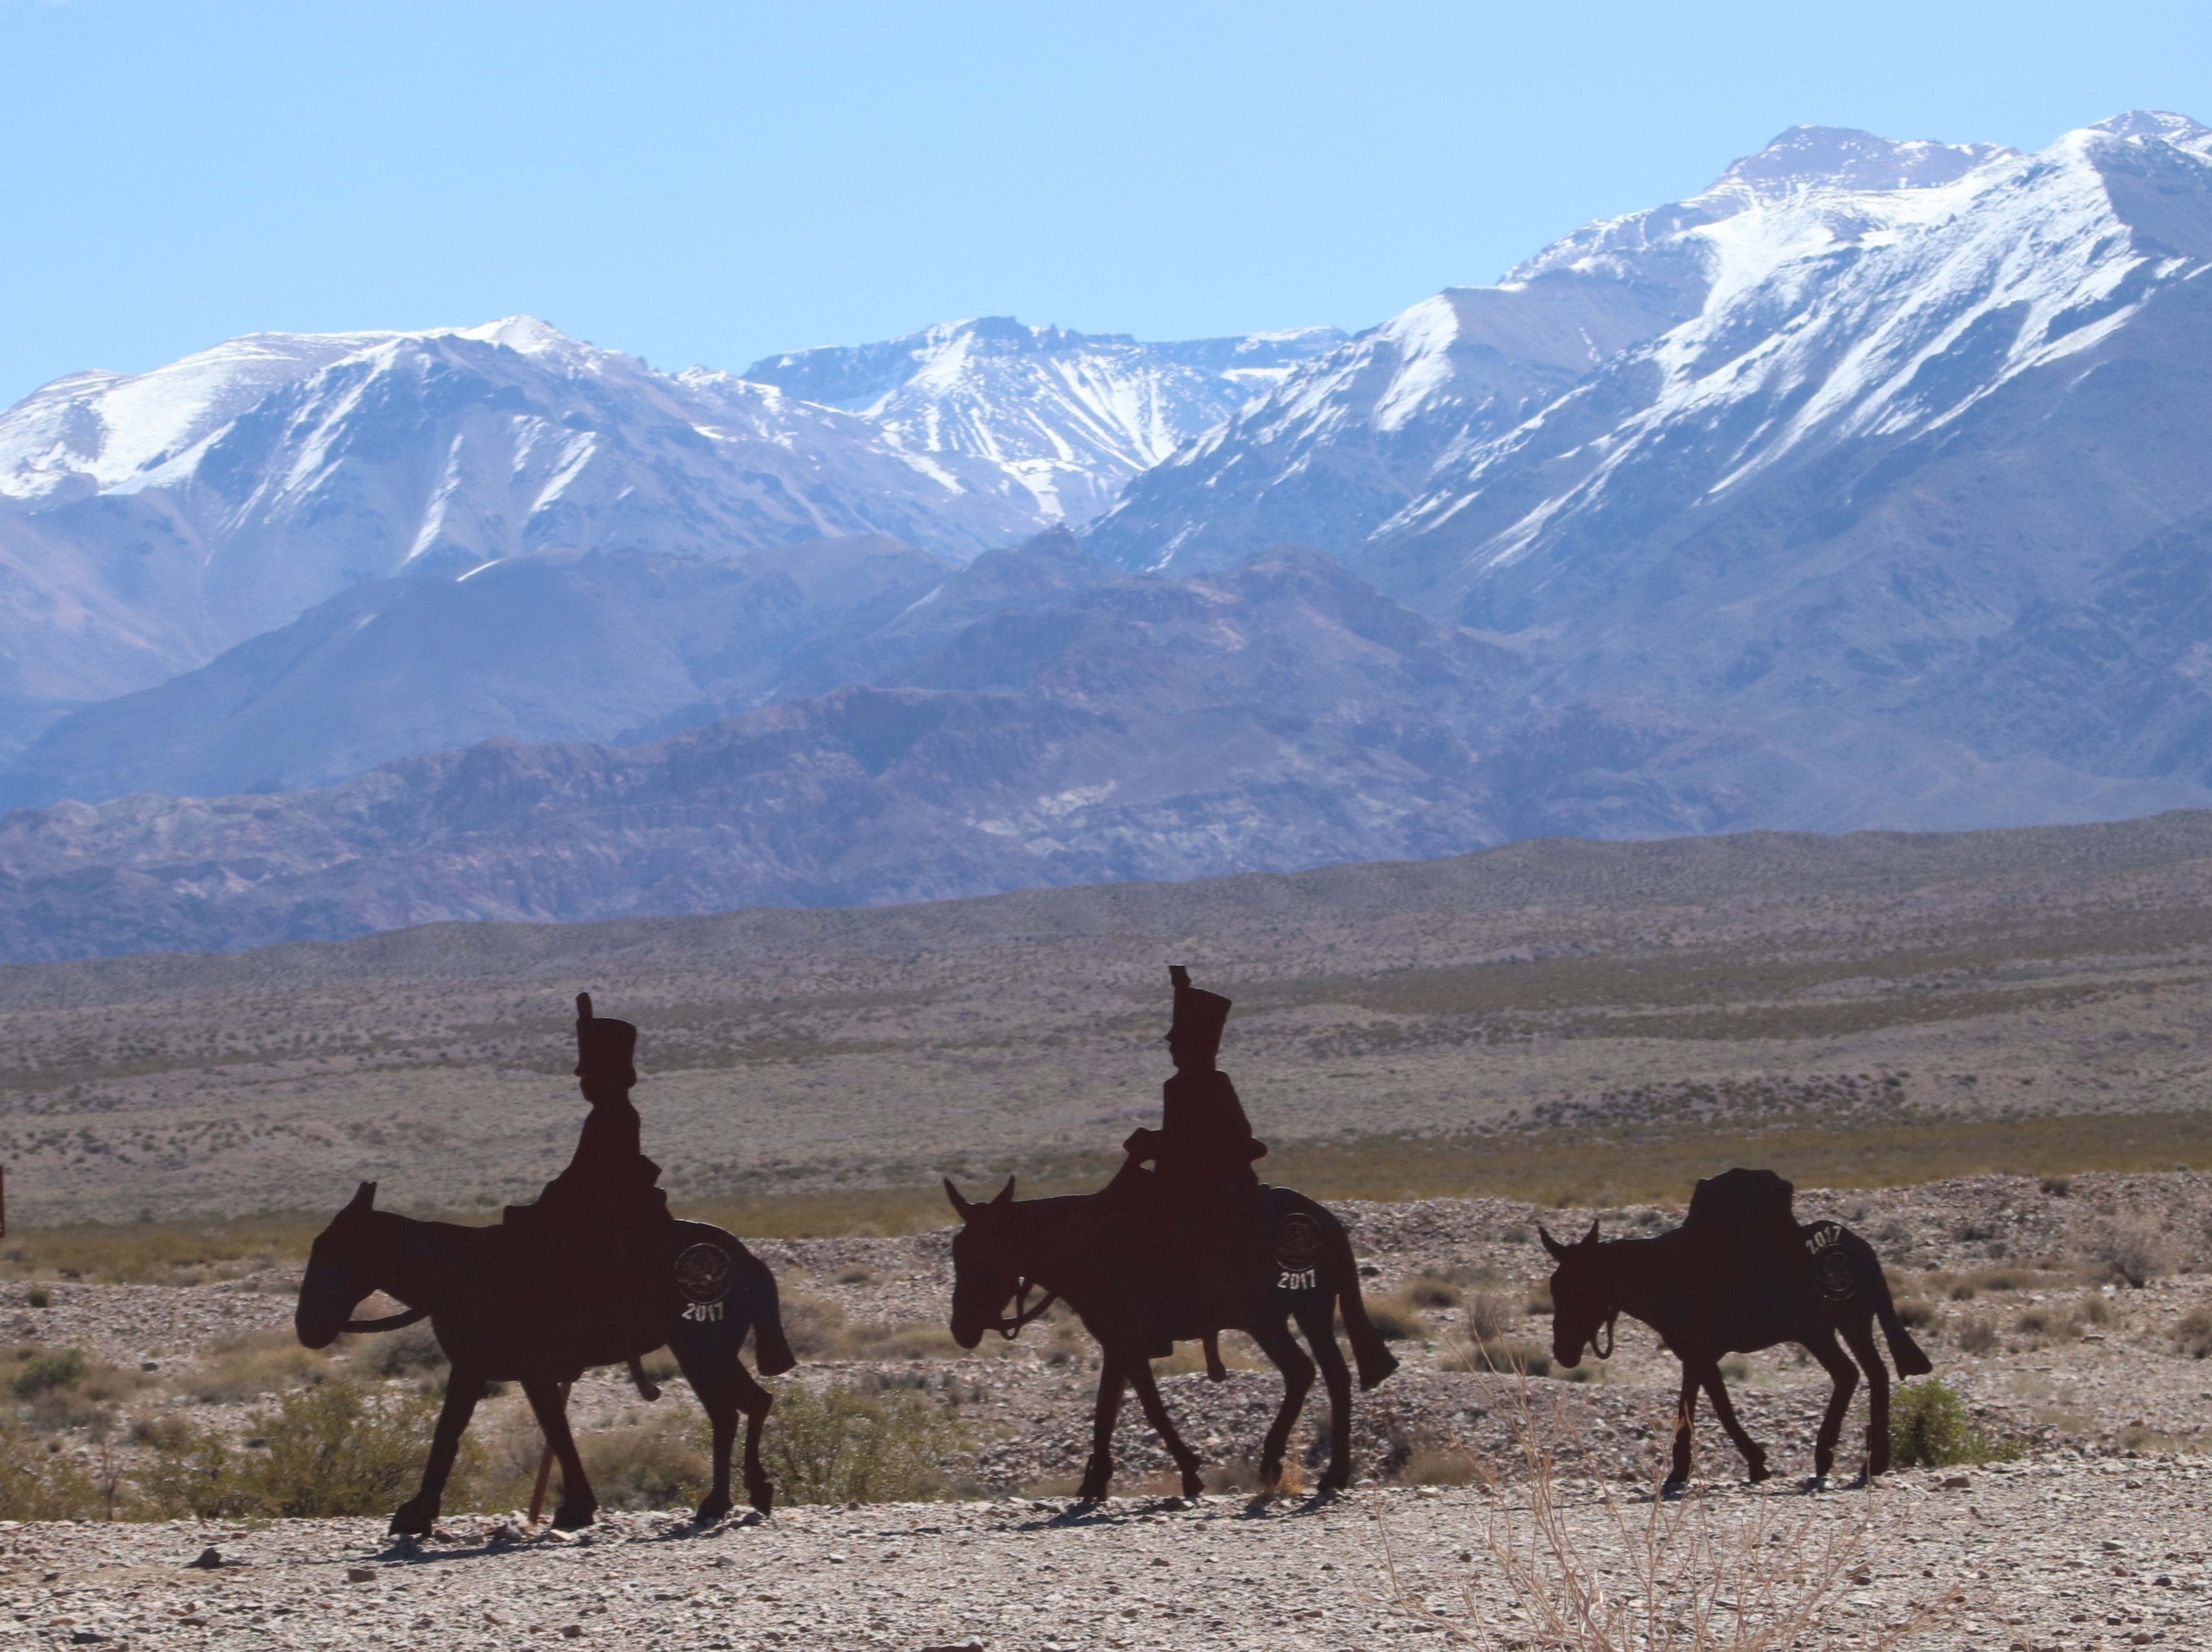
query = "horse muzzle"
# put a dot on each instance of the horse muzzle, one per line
(1010, 1327)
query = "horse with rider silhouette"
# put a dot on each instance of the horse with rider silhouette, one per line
(597, 1272)
(1180, 1253)
(1740, 1274)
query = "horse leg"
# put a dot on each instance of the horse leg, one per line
(1156, 1413)
(1215, 1370)
(1754, 1455)
(648, 1389)
(755, 1400)
(1276, 1341)
(464, 1388)
(577, 1505)
(710, 1373)
(1100, 1469)
(1336, 1376)
(1859, 1337)
(1845, 1377)
(1685, 1414)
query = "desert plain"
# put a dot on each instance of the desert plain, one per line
(1985, 1051)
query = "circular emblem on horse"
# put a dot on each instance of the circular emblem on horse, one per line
(1835, 1271)
(1298, 1241)
(702, 1273)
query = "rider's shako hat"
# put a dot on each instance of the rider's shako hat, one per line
(1200, 1016)
(605, 1047)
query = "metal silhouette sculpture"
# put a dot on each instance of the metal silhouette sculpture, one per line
(1740, 1274)
(1199, 1246)
(597, 1274)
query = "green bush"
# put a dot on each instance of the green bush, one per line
(44, 1373)
(1929, 1425)
(38, 1296)
(845, 1446)
(334, 1448)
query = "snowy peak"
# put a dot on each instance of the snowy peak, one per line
(2180, 131)
(1841, 157)
(1067, 417)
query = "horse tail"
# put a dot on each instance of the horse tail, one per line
(1904, 1353)
(1370, 1354)
(771, 1348)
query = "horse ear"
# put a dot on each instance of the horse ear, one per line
(364, 1198)
(960, 1206)
(1590, 1238)
(1559, 1251)
(1006, 1194)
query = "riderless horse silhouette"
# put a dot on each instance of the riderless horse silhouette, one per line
(1083, 1250)
(500, 1318)
(1740, 1275)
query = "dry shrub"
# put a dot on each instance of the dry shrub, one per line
(1489, 1316)
(1397, 1319)
(39, 1481)
(843, 1445)
(1432, 1290)
(1756, 1573)
(337, 1449)
(2046, 1324)
(814, 1325)
(405, 1352)
(648, 1467)
(2193, 1331)
(1914, 1313)
(1512, 1356)
(1977, 1335)
(2131, 1251)
(919, 1339)
(252, 1367)
(2096, 1311)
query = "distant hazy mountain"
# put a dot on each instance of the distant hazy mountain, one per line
(1029, 723)
(1282, 713)
(1069, 415)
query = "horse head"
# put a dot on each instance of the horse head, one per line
(1582, 1299)
(344, 1265)
(985, 1277)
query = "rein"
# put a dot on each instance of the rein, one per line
(1605, 1352)
(389, 1322)
(1011, 1328)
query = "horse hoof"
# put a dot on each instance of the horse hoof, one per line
(574, 1519)
(1759, 1472)
(413, 1521)
(711, 1511)
(1194, 1484)
(762, 1497)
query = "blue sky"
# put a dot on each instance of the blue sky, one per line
(698, 182)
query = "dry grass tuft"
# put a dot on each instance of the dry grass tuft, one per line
(1748, 1573)
(260, 1366)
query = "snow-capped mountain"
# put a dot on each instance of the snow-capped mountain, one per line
(1071, 416)
(1347, 441)
(149, 523)
(1930, 418)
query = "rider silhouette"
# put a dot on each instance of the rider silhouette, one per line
(1204, 1147)
(601, 1217)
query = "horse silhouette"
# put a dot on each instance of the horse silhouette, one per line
(501, 1315)
(1086, 1250)
(1705, 1304)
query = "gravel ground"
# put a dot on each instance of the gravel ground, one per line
(2095, 1535)
(2061, 1553)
